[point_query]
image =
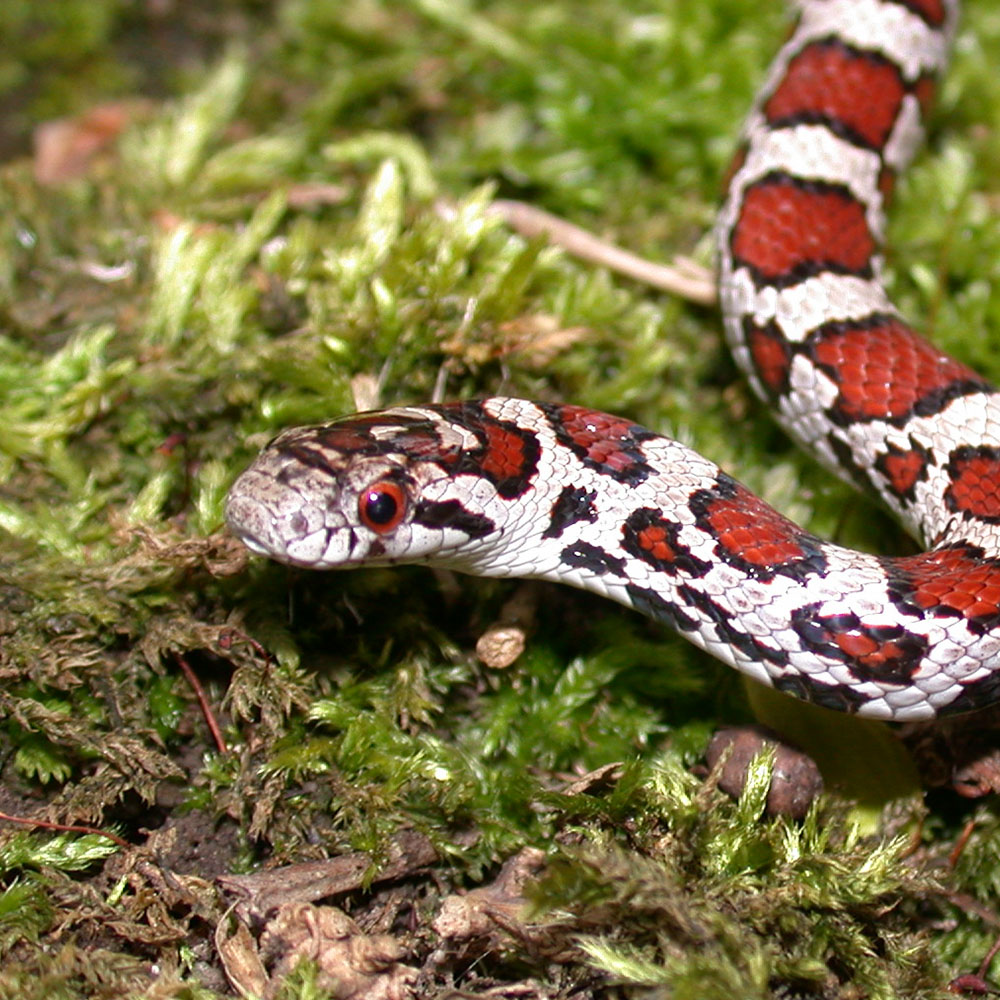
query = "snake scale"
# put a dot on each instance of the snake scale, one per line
(513, 488)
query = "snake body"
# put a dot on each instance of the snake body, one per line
(513, 488)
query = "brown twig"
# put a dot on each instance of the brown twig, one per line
(684, 278)
(308, 881)
(985, 964)
(206, 708)
(227, 638)
(963, 839)
(42, 824)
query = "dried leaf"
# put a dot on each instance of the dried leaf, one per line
(66, 147)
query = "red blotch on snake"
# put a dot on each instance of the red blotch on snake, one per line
(789, 229)
(822, 85)
(771, 354)
(956, 580)
(748, 529)
(886, 371)
(975, 482)
(506, 457)
(903, 469)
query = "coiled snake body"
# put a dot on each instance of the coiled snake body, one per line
(508, 487)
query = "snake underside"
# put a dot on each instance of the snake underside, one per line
(508, 487)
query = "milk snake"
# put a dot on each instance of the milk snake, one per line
(511, 488)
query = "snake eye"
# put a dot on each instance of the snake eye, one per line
(382, 506)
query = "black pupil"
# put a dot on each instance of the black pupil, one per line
(380, 507)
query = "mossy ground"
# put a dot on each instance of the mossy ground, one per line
(265, 231)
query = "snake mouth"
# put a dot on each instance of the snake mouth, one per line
(284, 523)
(256, 547)
(248, 519)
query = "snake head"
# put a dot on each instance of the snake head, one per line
(372, 489)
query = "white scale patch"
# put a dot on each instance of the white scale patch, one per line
(888, 28)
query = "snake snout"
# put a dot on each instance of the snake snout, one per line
(275, 519)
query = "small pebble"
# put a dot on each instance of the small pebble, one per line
(795, 782)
